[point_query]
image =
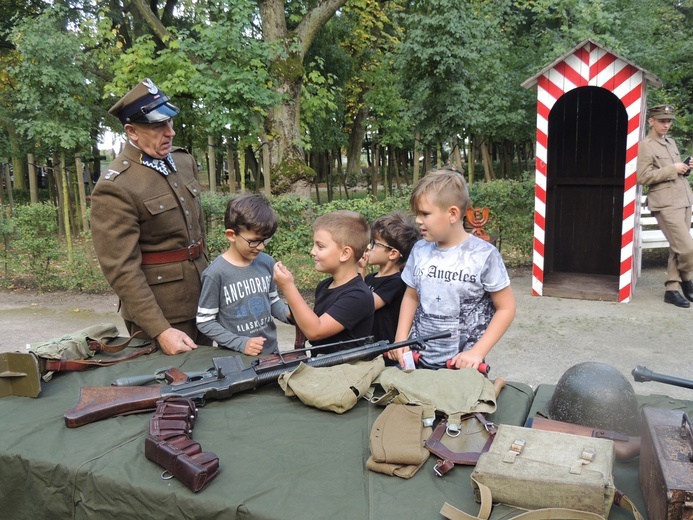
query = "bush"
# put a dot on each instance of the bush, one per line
(33, 254)
(35, 239)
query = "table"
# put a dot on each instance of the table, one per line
(279, 458)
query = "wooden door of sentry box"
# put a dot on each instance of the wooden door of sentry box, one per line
(584, 195)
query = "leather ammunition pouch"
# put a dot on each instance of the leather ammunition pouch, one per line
(170, 445)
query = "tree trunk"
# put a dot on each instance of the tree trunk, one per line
(415, 174)
(488, 164)
(456, 156)
(232, 162)
(211, 164)
(471, 159)
(66, 207)
(355, 145)
(82, 193)
(375, 172)
(33, 181)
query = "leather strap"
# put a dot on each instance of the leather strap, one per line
(62, 365)
(449, 458)
(191, 253)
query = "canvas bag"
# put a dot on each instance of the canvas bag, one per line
(570, 475)
(75, 351)
(452, 392)
(336, 388)
(396, 441)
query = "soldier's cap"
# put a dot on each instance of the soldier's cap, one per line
(144, 104)
(663, 112)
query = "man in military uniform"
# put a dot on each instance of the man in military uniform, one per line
(147, 224)
(669, 199)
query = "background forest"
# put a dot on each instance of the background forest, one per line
(337, 99)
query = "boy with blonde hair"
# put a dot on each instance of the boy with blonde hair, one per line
(343, 307)
(455, 280)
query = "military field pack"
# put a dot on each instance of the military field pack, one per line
(21, 372)
(336, 388)
(453, 393)
(666, 464)
(537, 469)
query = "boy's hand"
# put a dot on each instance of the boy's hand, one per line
(362, 264)
(467, 359)
(253, 346)
(397, 355)
(282, 276)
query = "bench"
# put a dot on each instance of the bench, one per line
(651, 237)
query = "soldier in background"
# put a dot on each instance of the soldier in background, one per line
(670, 199)
(147, 224)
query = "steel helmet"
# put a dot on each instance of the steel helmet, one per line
(596, 395)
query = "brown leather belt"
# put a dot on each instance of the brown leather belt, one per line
(177, 255)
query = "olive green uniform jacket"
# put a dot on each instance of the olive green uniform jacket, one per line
(656, 159)
(136, 209)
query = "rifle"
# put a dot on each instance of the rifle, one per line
(227, 377)
(643, 374)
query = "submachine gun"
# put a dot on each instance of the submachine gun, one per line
(227, 377)
(643, 374)
(169, 443)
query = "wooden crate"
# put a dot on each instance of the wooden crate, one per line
(666, 469)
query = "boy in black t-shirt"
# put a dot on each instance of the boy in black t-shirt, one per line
(392, 237)
(343, 307)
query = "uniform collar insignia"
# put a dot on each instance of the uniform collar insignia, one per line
(163, 166)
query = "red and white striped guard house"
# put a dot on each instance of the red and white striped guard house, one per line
(591, 113)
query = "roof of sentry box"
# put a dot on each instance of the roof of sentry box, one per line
(532, 82)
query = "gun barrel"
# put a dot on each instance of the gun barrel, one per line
(643, 374)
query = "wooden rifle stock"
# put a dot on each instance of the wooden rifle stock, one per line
(99, 402)
(229, 376)
(624, 446)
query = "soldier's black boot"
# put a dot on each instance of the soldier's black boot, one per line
(674, 297)
(687, 288)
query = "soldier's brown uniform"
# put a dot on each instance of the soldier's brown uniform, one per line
(670, 199)
(135, 210)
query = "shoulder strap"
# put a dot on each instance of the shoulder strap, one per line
(62, 365)
(452, 513)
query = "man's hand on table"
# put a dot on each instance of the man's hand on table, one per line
(173, 341)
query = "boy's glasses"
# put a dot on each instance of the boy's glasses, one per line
(376, 243)
(252, 244)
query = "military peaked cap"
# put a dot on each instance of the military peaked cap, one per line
(144, 104)
(663, 112)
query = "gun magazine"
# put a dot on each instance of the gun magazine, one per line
(170, 444)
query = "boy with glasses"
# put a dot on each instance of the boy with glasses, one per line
(392, 237)
(239, 300)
